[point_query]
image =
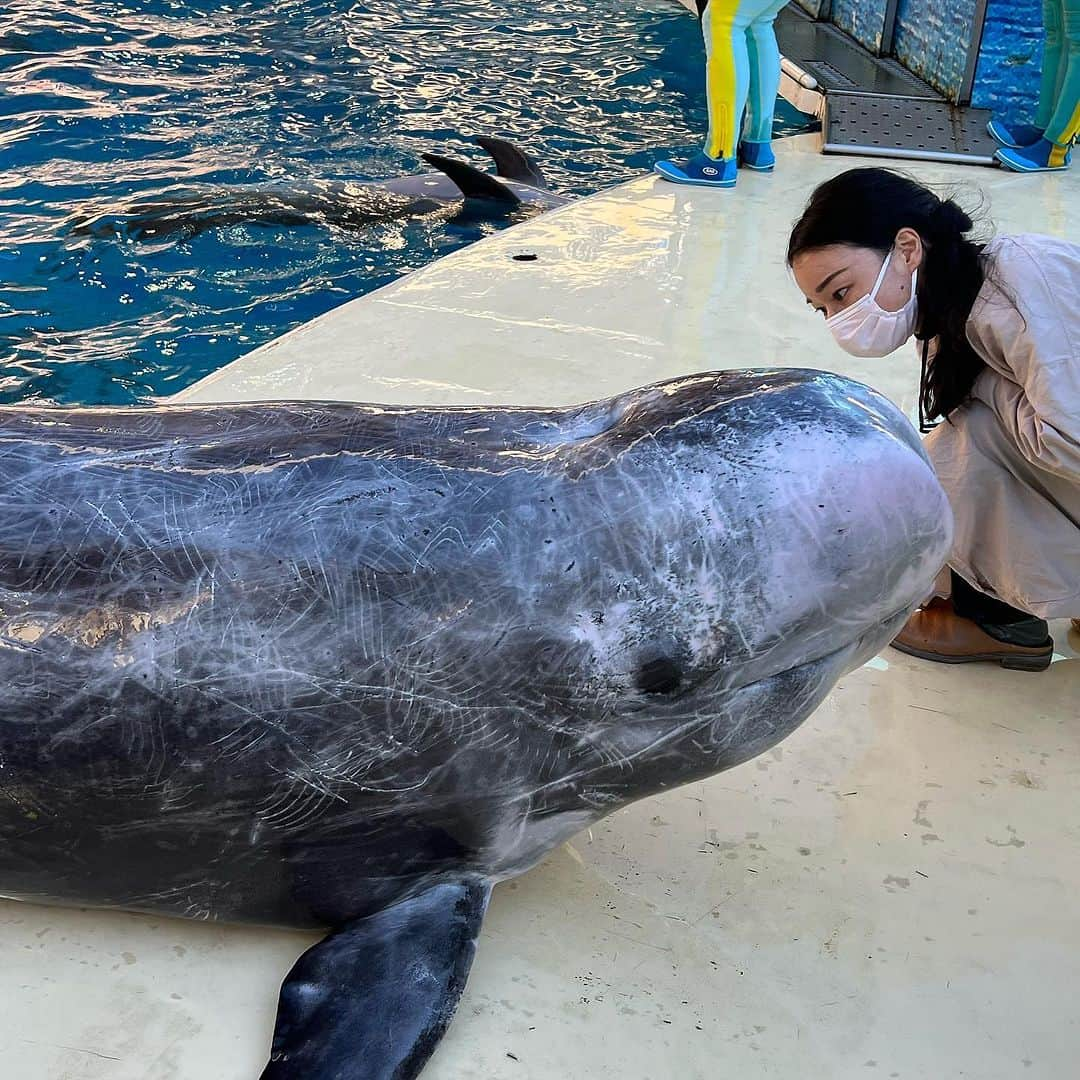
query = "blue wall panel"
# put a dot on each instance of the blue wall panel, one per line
(1010, 59)
(864, 20)
(933, 38)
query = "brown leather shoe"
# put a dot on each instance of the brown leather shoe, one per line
(935, 632)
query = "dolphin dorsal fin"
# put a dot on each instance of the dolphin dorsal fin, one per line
(473, 183)
(512, 163)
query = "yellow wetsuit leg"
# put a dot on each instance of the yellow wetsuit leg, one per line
(727, 73)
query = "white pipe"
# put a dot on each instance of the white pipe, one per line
(793, 71)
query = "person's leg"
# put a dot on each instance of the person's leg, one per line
(1016, 134)
(998, 619)
(727, 74)
(1014, 543)
(723, 26)
(764, 55)
(1053, 72)
(1052, 151)
(1063, 126)
(971, 626)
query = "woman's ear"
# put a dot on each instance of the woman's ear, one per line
(910, 245)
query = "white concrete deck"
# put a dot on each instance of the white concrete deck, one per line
(890, 893)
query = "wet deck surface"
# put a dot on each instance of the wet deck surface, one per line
(889, 893)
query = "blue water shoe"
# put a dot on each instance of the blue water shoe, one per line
(700, 170)
(1014, 135)
(758, 156)
(1044, 156)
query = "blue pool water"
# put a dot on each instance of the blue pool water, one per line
(103, 100)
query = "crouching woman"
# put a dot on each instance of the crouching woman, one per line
(998, 325)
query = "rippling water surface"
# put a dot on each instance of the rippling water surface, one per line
(102, 101)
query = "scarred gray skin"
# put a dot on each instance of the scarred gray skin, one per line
(291, 662)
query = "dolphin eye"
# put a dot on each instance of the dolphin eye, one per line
(660, 675)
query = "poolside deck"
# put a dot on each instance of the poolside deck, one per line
(889, 893)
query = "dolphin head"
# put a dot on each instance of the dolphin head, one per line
(756, 535)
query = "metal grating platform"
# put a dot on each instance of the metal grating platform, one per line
(826, 75)
(906, 128)
(872, 105)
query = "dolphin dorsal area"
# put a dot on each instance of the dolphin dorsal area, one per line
(512, 162)
(473, 182)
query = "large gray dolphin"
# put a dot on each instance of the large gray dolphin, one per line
(347, 666)
(455, 191)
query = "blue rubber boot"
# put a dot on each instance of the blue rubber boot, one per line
(757, 155)
(1014, 136)
(701, 170)
(1044, 156)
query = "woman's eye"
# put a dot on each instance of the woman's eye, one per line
(839, 295)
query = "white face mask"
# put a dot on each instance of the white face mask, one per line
(867, 329)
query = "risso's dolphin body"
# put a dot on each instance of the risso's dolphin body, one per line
(347, 666)
(454, 191)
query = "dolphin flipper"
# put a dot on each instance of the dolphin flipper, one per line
(473, 183)
(372, 1000)
(512, 162)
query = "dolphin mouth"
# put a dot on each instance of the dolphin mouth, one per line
(745, 719)
(867, 645)
(851, 655)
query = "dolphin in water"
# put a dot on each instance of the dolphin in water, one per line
(347, 666)
(454, 191)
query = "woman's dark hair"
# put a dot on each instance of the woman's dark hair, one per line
(867, 208)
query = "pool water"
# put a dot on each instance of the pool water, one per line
(102, 101)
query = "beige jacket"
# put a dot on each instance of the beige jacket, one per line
(1010, 458)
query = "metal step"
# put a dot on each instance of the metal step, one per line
(838, 62)
(868, 124)
(871, 105)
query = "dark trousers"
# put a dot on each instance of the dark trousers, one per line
(997, 618)
(969, 603)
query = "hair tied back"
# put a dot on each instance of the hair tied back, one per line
(949, 218)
